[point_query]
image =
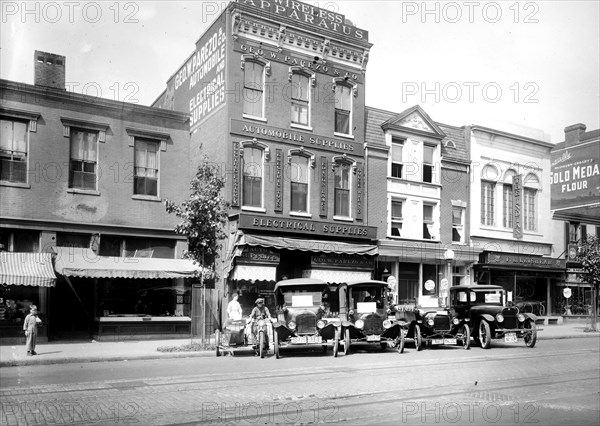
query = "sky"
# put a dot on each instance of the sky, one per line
(526, 67)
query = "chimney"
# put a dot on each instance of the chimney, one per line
(49, 70)
(573, 134)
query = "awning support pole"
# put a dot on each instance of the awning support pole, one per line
(78, 298)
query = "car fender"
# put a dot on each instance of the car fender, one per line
(530, 316)
(487, 317)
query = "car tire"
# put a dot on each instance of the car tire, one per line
(217, 342)
(530, 338)
(485, 336)
(400, 342)
(276, 344)
(261, 343)
(346, 341)
(336, 344)
(418, 338)
(466, 340)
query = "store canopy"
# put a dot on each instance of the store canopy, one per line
(32, 269)
(78, 262)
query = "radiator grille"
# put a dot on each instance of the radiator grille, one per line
(306, 323)
(441, 323)
(373, 324)
(510, 318)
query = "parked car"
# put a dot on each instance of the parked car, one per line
(305, 316)
(440, 327)
(368, 317)
(484, 308)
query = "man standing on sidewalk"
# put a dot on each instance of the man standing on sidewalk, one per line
(30, 325)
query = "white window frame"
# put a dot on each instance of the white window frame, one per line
(250, 58)
(158, 149)
(396, 219)
(430, 223)
(460, 228)
(311, 164)
(350, 84)
(296, 70)
(265, 155)
(399, 142)
(338, 161)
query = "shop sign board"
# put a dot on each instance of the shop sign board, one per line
(522, 260)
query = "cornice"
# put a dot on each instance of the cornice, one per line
(508, 135)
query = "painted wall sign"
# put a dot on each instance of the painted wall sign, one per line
(575, 176)
(307, 227)
(321, 19)
(252, 254)
(259, 131)
(324, 188)
(290, 58)
(359, 191)
(517, 182)
(278, 181)
(524, 260)
(235, 185)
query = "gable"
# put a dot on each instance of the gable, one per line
(415, 119)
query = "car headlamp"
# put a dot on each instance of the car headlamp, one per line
(387, 324)
(320, 324)
(389, 311)
(455, 321)
(359, 324)
(351, 312)
(521, 317)
(430, 321)
(292, 325)
(499, 317)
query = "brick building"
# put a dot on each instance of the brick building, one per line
(87, 175)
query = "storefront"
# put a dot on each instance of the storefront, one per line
(531, 280)
(25, 279)
(127, 297)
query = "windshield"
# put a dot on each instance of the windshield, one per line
(487, 297)
(304, 296)
(367, 299)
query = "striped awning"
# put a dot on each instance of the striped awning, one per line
(32, 269)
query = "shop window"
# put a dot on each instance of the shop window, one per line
(428, 167)
(343, 109)
(397, 157)
(458, 228)
(299, 183)
(15, 304)
(13, 151)
(300, 94)
(428, 222)
(253, 177)
(342, 189)
(254, 83)
(145, 181)
(487, 203)
(83, 159)
(397, 218)
(20, 241)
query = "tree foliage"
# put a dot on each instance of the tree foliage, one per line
(203, 215)
(588, 255)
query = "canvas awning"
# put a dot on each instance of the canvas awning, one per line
(254, 273)
(78, 262)
(31, 269)
(336, 275)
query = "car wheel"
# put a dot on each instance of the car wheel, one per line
(336, 344)
(346, 341)
(466, 340)
(485, 336)
(217, 342)
(261, 344)
(400, 342)
(531, 337)
(418, 338)
(276, 344)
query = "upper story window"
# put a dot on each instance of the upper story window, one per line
(428, 222)
(253, 168)
(254, 83)
(13, 150)
(145, 181)
(531, 185)
(397, 157)
(342, 189)
(507, 205)
(487, 202)
(458, 228)
(299, 176)
(428, 165)
(20, 240)
(343, 109)
(83, 162)
(300, 95)
(397, 218)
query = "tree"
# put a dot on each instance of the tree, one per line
(588, 254)
(203, 215)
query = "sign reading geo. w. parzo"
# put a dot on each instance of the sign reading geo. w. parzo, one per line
(575, 176)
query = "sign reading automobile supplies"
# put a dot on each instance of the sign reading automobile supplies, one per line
(575, 176)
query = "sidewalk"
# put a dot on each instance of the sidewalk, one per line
(61, 353)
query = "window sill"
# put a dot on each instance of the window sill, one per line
(301, 214)
(254, 209)
(145, 197)
(343, 218)
(83, 191)
(252, 117)
(301, 127)
(15, 184)
(343, 135)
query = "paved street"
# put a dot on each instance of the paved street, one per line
(558, 382)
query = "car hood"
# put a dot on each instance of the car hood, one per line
(486, 309)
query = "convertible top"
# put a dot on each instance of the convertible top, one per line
(367, 282)
(476, 287)
(300, 282)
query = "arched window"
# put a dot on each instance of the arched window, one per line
(531, 186)
(301, 81)
(342, 195)
(253, 167)
(489, 175)
(254, 83)
(507, 199)
(299, 178)
(343, 106)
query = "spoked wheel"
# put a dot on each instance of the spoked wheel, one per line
(418, 338)
(466, 340)
(400, 342)
(530, 337)
(485, 336)
(324, 348)
(383, 346)
(261, 344)
(276, 344)
(217, 342)
(336, 343)
(346, 341)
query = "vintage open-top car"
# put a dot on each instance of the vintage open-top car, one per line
(303, 315)
(440, 327)
(484, 307)
(367, 316)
